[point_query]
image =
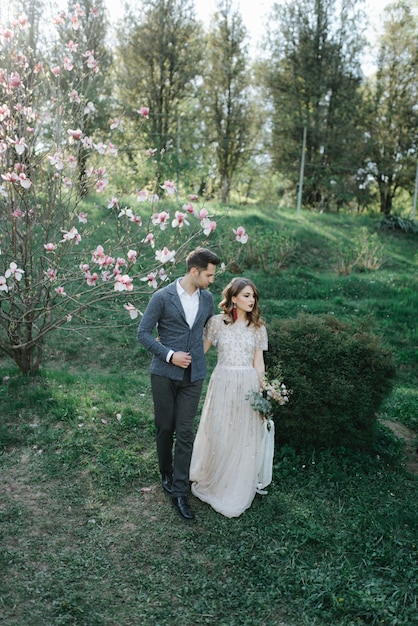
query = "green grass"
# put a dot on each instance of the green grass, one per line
(334, 543)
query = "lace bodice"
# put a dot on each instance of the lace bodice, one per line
(235, 342)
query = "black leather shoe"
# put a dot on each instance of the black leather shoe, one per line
(183, 508)
(167, 483)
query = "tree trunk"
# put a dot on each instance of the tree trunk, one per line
(28, 359)
(225, 189)
(386, 197)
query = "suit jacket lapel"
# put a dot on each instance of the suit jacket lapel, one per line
(175, 300)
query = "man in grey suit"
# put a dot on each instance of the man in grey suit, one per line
(178, 368)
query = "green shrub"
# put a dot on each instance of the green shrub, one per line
(339, 375)
(396, 222)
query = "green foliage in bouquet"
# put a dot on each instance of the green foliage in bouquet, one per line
(339, 375)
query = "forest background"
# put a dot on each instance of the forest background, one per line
(229, 121)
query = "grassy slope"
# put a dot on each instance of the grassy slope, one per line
(333, 543)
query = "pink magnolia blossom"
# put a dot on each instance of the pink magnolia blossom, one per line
(120, 262)
(126, 212)
(132, 256)
(3, 284)
(151, 279)
(74, 135)
(72, 45)
(71, 234)
(100, 147)
(133, 313)
(14, 80)
(193, 197)
(91, 278)
(23, 20)
(137, 219)
(74, 96)
(25, 182)
(60, 19)
(19, 144)
(18, 213)
(98, 254)
(162, 275)
(72, 161)
(60, 291)
(78, 10)
(142, 196)
(143, 111)
(123, 282)
(50, 247)
(111, 149)
(107, 276)
(89, 108)
(208, 226)
(56, 70)
(14, 272)
(51, 274)
(82, 217)
(240, 234)
(165, 255)
(85, 267)
(149, 239)
(7, 34)
(160, 219)
(179, 220)
(10, 177)
(107, 261)
(113, 203)
(169, 187)
(4, 112)
(56, 160)
(116, 122)
(68, 64)
(101, 184)
(189, 208)
(87, 142)
(203, 213)
(149, 152)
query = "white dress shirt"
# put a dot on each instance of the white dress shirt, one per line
(190, 304)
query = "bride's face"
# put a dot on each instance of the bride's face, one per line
(245, 299)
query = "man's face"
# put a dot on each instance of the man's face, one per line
(204, 278)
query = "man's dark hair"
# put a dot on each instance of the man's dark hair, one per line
(200, 258)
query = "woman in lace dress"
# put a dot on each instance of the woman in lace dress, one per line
(228, 452)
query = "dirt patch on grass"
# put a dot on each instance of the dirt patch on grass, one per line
(409, 438)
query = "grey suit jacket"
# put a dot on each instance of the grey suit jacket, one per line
(165, 312)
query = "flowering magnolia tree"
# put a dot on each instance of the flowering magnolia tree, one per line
(53, 264)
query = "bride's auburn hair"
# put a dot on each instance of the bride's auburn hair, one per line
(233, 289)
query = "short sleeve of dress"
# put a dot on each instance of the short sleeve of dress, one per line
(261, 340)
(211, 330)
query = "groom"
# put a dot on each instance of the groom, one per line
(178, 368)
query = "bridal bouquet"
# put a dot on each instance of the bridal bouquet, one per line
(272, 392)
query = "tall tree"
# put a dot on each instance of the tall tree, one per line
(226, 93)
(392, 94)
(158, 62)
(312, 78)
(85, 67)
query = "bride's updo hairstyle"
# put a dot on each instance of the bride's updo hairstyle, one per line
(233, 289)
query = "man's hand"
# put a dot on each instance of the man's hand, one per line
(181, 359)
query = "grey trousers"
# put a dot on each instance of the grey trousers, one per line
(175, 407)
